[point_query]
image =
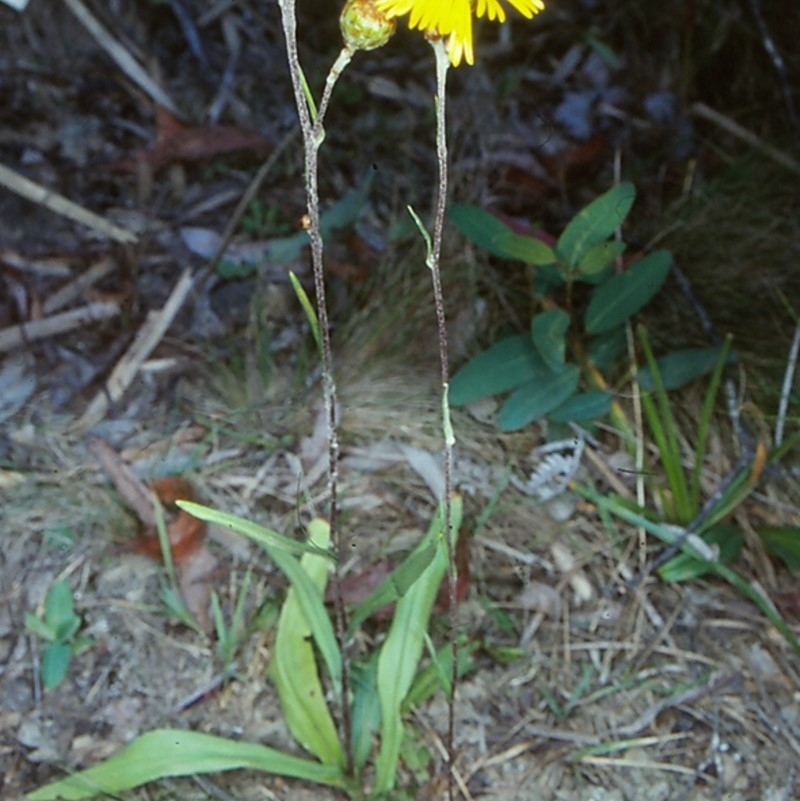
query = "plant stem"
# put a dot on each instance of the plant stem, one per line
(442, 65)
(313, 135)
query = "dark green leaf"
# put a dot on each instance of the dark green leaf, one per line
(549, 330)
(606, 348)
(680, 367)
(595, 223)
(622, 296)
(537, 398)
(55, 661)
(506, 365)
(684, 566)
(488, 232)
(599, 256)
(783, 542)
(586, 406)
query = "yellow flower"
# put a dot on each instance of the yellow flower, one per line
(453, 19)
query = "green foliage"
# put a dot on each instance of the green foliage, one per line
(578, 334)
(57, 628)
(708, 542)
(381, 685)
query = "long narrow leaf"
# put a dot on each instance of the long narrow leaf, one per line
(691, 546)
(173, 752)
(704, 424)
(402, 648)
(263, 536)
(309, 599)
(671, 456)
(294, 667)
(394, 586)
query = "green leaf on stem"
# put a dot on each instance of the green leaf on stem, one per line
(619, 298)
(537, 398)
(595, 223)
(549, 334)
(497, 238)
(508, 364)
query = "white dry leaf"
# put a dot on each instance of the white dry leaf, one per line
(426, 466)
(537, 596)
(566, 564)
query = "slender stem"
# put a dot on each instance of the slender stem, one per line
(313, 134)
(442, 65)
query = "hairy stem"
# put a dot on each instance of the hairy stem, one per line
(442, 65)
(313, 135)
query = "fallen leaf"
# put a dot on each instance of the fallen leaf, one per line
(178, 142)
(194, 574)
(184, 532)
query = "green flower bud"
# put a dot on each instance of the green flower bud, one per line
(364, 27)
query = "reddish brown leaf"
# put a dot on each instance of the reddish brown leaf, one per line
(185, 533)
(178, 142)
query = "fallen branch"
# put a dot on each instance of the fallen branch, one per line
(16, 335)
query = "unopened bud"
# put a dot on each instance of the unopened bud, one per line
(364, 27)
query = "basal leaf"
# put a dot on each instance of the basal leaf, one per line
(537, 398)
(174, 752)
(394, 586)
(265, 537)
(294, 668)
(680, 367)
(491, 234)
(622, 296)
(549, 330)
(507, 365)
(310, 599)
(595, 223)
(605, 349)
(401, 651)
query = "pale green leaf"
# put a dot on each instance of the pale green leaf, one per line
(549, 333)
(401, 651)
(174, 752)
(294, 667)
(265, 537)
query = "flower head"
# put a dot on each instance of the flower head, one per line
(364, 26)
(453, 19)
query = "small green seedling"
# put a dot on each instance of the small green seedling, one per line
(578, 334)
(57, 627)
